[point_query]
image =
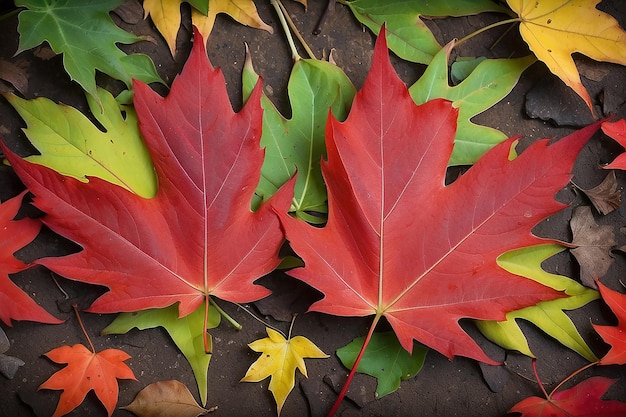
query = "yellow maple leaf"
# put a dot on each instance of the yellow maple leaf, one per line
(280, 359)
(555, 29)
(166, 17)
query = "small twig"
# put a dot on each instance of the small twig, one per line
(82, 326)
(66, 295)
(330, 8)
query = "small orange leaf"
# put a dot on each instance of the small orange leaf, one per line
(87, 371)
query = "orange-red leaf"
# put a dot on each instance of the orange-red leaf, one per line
(14, 235)
(582, 400)
(614, 335)
(197, 237)
(401, 244)
(86, 371)
(617, 131)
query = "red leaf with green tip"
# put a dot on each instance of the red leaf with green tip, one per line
(197, 237)
(14, 235)
(582, 400)
(401, 244)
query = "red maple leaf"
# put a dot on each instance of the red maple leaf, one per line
(614, 335)
(14, 235)
(86, 371)
(399, 243)
(617, 131)
(197, 237)
(582, 400)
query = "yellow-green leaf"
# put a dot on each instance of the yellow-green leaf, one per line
(279, 361)
(548, 315)
(554, 30)
(72, 145)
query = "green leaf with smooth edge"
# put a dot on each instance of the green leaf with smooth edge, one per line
(407, 35)
(548, 316)
(384, 359)
(84, 33)
(298, 143)
(72, 145)
(187, 332)
(490, 82)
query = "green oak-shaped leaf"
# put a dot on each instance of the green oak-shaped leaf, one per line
(314, 88)
(84, 33)
(407, 35)
(384, 359)
(187, 333)
(489, 83)
(548, 315)
(72, 145)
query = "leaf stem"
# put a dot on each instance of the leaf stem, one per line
(261, 321)
(486, 28)
(10, 14)
(572, 375)
(346, 384)
(82, 326)
(534, 365)
(288, 26)
(208, 350)
(224, 314)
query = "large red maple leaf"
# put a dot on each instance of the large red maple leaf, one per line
(86, 371)
(614, 335)
(401, 244)
(197, 237)
(582, 400)
(14, 235)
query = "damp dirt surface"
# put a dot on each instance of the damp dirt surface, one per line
(539, 106)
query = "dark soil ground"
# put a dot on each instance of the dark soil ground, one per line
(443, 387)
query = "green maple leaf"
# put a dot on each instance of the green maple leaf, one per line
(385, 359)
(69, 143)
(187, 332)
(84, 33)
(549, 315)
(490, 82)
(314, 88)
(407, 35)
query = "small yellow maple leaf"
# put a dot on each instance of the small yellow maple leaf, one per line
(166, 17)
(280, 359)
(554, 29)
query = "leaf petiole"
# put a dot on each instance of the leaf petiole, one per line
(346, 384)
(82, 326)
(486, 28)
(288, 27)
(224, 314)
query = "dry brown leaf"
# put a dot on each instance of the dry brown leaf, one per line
(14, 75)
(605, 197)
(169, 398)
(593, 244)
